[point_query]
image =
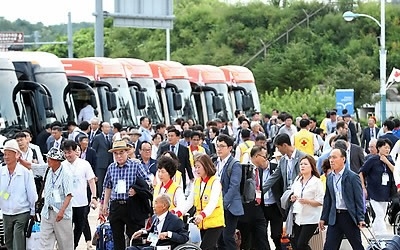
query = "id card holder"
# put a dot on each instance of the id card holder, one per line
(121, 187)
(258, 194)
(153, 238)
(339, 195)
(6, 195)
(385, 179)
(56, 196)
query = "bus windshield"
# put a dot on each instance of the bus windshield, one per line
(188, 110)
(124, 113)
(153, 104)
(226, 112)
(8, 117)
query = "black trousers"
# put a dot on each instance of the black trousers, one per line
(273, 216)
(344, 226)
(302, 235)
(120, 224)
(79, 217)
(252, 226)
(100, 174)
(209, 238)
(86, 230)
(227, 239)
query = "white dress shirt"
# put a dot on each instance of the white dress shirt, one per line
(86, 114)
(81, 172)
(312, 189)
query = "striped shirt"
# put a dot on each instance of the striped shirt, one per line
(60, 180)
(128, 173)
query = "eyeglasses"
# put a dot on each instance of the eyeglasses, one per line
(221, 146)
(263, 156)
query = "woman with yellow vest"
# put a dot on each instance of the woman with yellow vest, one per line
(206, 196)
(166, 170)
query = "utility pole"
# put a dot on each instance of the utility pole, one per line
(70, 39)
(99, 30)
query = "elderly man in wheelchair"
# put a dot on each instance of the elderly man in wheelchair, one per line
(166, 232)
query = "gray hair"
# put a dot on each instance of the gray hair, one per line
(165, 199)
(95, 120)
(372, 142)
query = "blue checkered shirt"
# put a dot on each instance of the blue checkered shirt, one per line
(128, 172)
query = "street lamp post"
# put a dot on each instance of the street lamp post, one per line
(349, 16)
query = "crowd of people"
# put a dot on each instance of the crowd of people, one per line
(243, 175)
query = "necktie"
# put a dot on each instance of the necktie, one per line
(372, 133)
(173, 148)
(258, 200)
(56, 144)
(156, 222)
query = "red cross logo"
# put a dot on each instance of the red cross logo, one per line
(304, 142)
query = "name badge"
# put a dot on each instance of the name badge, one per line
(339, 195)
(6, 196)
(121, 187)
(56, 196)
(385, 179)
(258, 194)
(153, 238)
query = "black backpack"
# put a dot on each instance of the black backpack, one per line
(246, 174)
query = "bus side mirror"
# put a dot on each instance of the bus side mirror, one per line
(140, 100)
(217, 103)
(47, 102)
(177, 101)
(111, 101)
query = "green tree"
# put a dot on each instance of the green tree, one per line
(296, 102)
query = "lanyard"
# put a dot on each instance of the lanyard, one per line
(52, 178)
(10, 178)
(337, 182)
(304, 186)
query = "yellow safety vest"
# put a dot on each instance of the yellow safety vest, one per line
(245, 148)
(216, 218)
(177, 177)
(170, 192)
(200, 149)
(304, 141)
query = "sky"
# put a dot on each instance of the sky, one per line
(52, 11)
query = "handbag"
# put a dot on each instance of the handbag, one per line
(40, 202)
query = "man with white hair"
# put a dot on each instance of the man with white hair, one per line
(166, 230)
(17, 196)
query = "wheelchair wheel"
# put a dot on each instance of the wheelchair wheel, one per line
(396, 224)
(187, 246)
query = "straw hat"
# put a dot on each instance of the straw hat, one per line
(119, 145)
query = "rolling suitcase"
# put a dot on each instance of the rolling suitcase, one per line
(382, 244)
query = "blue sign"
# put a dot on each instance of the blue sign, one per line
(345, 100)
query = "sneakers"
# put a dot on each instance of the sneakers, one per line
(89, 245)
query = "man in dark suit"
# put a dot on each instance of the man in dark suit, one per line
(181, 152)
(288, 167)
(355, 154)
(271, 203)
(343, 207)
(101, 144)
(229, 171)
(388, 127)
(253, 225)
(370, 132)
(41, 139)
(56, 139)
(135, 134)
(94, 129)
(352, 132)
(166, 230)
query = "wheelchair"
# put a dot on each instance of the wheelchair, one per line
(187, 246)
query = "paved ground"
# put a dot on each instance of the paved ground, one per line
(345, 244)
